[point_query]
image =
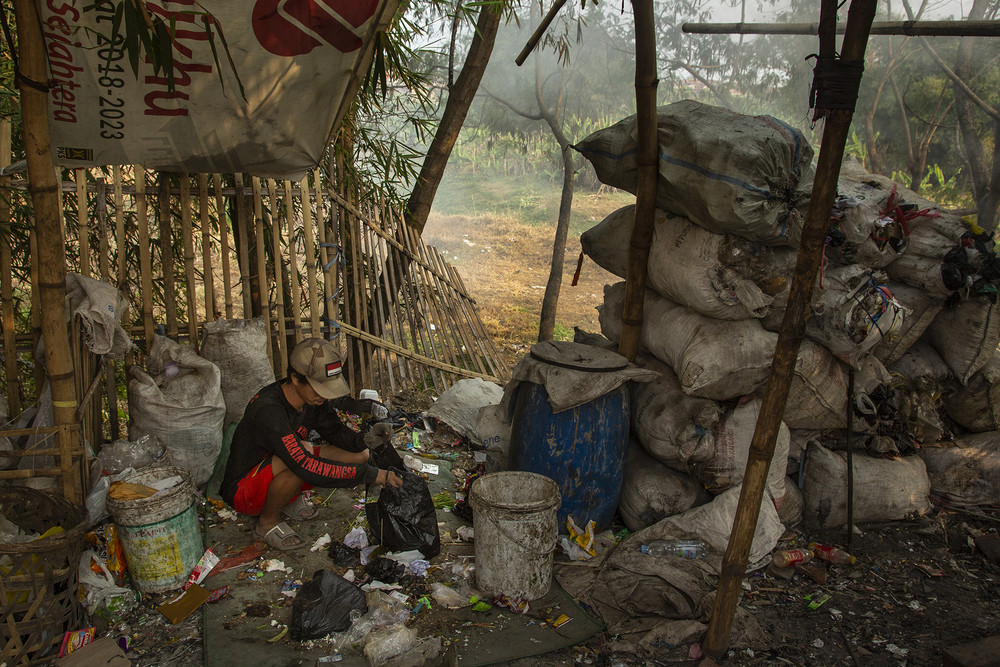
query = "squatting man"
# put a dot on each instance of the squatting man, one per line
(271, 460)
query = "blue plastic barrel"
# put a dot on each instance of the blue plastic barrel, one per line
(582, 449)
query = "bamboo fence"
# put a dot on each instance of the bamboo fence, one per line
(310, 257)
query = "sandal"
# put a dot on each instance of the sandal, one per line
(300, 509)
(277, 536)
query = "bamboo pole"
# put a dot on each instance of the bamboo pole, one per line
(207, 269)
(462, 332)
(6, 279)
(120, 242)
(279, 284)
(103, 236)
(483, 338)
(310, 248)
(145, 258)
(167, 254)
(647, 161)
(227, 277)
(432, 306)
(360, 293)
(82, 226)
(378, 310)
(293, 267)
(243, 243)
(390, 317)
(835, 132)
(264, 301)
(908, 28)
(187, 232)
(51, 256)
(36, 314)
(327, 263)
(539, 31)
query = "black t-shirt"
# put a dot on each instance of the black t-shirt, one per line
(272, 427)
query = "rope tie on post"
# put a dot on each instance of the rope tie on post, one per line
(835, 85)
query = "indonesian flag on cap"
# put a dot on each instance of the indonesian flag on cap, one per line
(333, 368)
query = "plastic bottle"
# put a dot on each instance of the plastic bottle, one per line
(832, 554)
(680, 548)
(790, 557)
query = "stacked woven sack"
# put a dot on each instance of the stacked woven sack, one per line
(905, 301)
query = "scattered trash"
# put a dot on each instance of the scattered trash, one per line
(690, 549)
(387, 571)
(76, 639)
(324, 605)
(321, 542)
(205, 564)
(929, 570)
(356, 538)
(290, 588)
(896, 651)
(418, 567)
(443, 500)
(816, 600)
(389, 642)
(478, 605)
(405, 518)
(447, 596)
(583, 538)
(560, 620)
(275, 565)
(217, 594)
(788, 557)
(466, 533)
(344, 556)
(516, 605)
(818, 643)
(832, 554)
(278, 637)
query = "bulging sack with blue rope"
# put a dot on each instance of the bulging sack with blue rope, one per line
(728, 172)
(852, 311)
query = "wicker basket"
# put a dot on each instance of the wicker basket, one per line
(38, 579)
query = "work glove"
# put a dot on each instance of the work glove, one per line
(380, 434)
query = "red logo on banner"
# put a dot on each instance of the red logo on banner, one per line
(296, 27)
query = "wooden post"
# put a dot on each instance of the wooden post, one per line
(227, 278)
(264, 301)
(187, 232)
(310, 247)
(82, 226)
(293, 271)
(243, 243)
(45, 198)
(207, 270)
(36, 313)
(6, 280)
(279, 284)
(120, 241)
(145, 258)
(103, 233)
(167, 255)
(647, 159)
(831, 154)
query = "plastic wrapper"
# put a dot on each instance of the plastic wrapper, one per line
(324, 605)
(123, 454)
(389, 642)
(387, 571)
(343, 555)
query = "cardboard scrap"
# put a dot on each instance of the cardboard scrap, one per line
(185, 604)
(129, 491)
(102, 652)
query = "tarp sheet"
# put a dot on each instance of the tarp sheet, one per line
(298, 61)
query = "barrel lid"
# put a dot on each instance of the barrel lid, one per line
(577, 356)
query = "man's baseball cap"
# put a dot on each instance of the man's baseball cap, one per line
(319, 361)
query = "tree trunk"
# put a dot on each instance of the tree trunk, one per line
(550, 302)
(459, 100)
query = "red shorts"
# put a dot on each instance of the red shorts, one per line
(251, 492)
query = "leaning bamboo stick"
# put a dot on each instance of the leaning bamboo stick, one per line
(378, 309)
(82, 227)
(395, 259)
(909, 28)
(207, 271)
(264, 301)
(243, 243)
(187, 232)
(461, 330)
(145, 260)
(360, 292)
(383, 299)
(227, 277)
(279, 284)
(482, 336)
(167, 268)
(427, 309)
(6, 279)
(310, 236)
(383, 256)
(120, 242)
(293, 267)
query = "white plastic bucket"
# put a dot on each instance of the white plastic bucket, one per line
(160, 535)
(514, 516)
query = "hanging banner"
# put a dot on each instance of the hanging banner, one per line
(299, 63)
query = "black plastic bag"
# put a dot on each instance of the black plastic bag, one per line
(343, 555)
(324, 605)
(405, 518)
(388, 572)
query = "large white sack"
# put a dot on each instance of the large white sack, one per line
(719, 275)
(100, 307)
(922, 363)
(728, 172)
(966, 472)
(185, 412)
(817, 397)
(919, 310)
(651, 491)
(674, 428)
(884, 489)
(791, 504)
(239, 349)
(976, 406)
(459, 405)
(966, 336)
(852, 311)
(713, 523)
(733, 435)
(716, 359)
(863, 230)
